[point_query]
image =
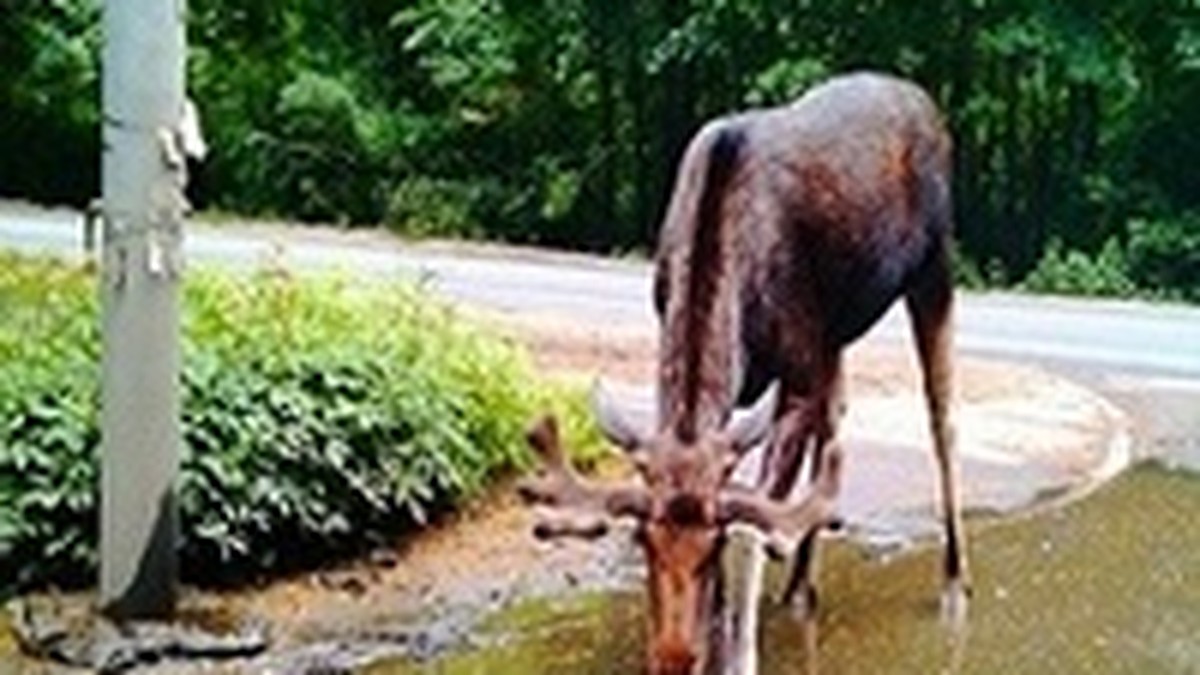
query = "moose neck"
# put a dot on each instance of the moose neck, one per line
(698, 368)
(699, 354)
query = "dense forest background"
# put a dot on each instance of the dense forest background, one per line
(561, 122)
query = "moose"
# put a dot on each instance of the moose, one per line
(789, 233)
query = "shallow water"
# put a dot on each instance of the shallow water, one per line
(1107, 585)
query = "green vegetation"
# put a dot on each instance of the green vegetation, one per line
(562, 122)
(1159, 260)
(1076, 273)
(319, 419)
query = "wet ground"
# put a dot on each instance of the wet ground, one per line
(1110, 584)
(1105, 584)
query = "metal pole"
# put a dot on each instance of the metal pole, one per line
(143, 205)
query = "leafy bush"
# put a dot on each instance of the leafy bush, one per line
(49, 107)
(319, 143)
(318, 418)
(1164, 255)
(423, 207)
(1076, 273)
(48, 421)
(965, 270)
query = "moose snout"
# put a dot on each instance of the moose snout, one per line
(672, 657)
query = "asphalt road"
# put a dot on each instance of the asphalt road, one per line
(1156, 343)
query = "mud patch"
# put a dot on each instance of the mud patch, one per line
(65, 629)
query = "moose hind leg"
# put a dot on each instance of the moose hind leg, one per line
(930, 306)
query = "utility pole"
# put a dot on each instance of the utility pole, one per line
(144, 172)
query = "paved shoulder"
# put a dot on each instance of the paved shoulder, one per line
(1026, 437)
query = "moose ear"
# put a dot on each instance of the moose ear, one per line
(614, 421)
(751, 426)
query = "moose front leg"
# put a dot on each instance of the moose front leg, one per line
(743, 561)
(808, 422)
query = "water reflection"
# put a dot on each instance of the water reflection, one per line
(955, 624)
(812, 654)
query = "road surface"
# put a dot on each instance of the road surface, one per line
(1158, 343)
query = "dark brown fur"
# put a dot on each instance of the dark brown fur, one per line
(790, 232)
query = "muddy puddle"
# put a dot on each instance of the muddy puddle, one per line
(1110, 584)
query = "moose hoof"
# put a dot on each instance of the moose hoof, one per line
(802, 602)
(955, 603)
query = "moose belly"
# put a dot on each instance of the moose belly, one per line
(857, 306)
(856, 292)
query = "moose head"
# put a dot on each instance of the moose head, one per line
(682, 507)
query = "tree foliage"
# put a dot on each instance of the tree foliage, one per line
(562, 122)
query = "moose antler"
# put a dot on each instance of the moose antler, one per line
(751, 426)
(785, 523)
(560, 486)
(557, 527)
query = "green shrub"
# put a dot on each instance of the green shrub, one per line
(48, 423)
(1076, 273)
(318, 417)
(316, 160)
(429, 207)
(1164, 255)
(965, 270)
